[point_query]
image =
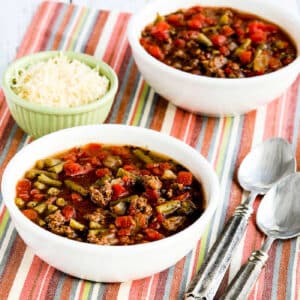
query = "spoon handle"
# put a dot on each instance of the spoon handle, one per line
(206, 283)
(240, 287)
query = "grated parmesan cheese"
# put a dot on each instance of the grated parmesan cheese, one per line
(60, 82)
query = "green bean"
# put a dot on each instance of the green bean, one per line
(101, 181)
(76, 187)
(19, 202)
(61, 202)
(50, 162)
(57, 168)
(40, 185)
(94, 225)
(31, 174)
(76, 225)
(261, 61)
(32, 204)
(224, 19)
(246, 43)
(126, 199)
(41, 222)
(47, 180)
(40, 208)
(97, 231)
(53, 191)
(168, 207)
(51, 208)
(142, 156)
(112, 161)
(40, 164)
(204, 40)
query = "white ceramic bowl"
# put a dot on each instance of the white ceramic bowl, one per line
(214, 96)
(109, 263)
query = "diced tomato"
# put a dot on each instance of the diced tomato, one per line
(71, 168)
(124, 232)
(255, 26)
(68, 211)
(274, 63)
(30, 213)
(224, 50)
(259, 36)
(175, 20)
(185, 177)
(75, 197)
(227, 30)
(121, 151)
(118, 191)
(129, 167)
(152, 194)
(161, 31)
(102, 172)
(245, 57)
(155, 51)
(71, 156)
(23, 185)
(165, 166)
(38, 196)
(74, 169)
(210, 21)
(179, 43)
(153, 235)
(195, 23)
(160, 217)
(92, 149)
(218, 39)
(145, 172)
(124, 221)
(23, 189)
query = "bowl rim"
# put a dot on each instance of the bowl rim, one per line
(133, 38)
(91, 248)
(44, 55)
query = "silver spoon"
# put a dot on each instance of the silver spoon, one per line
(278, 216)
(260, 169)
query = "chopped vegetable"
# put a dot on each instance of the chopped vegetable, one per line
(110, 194)
(217, 42)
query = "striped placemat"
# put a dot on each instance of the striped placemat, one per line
(223, 141)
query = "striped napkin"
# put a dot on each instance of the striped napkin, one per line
(223, 141)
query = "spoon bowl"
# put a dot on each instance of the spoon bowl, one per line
(276, 160)
(278, 215)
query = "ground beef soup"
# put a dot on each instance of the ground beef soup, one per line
(218, 42)
(110, 195)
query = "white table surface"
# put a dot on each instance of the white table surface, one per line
(15, 16)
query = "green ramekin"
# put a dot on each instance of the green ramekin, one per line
(38, 120)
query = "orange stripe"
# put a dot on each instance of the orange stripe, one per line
(113, 44)
(159, 114)
(48, 283)
(32, 279)
(60, 32)
(207, 140)
(12, 266)
(66, 288)
(98, 29)
(139, 288)
(177, 278)
(283, 273)
(30, 32)
(112, 291)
